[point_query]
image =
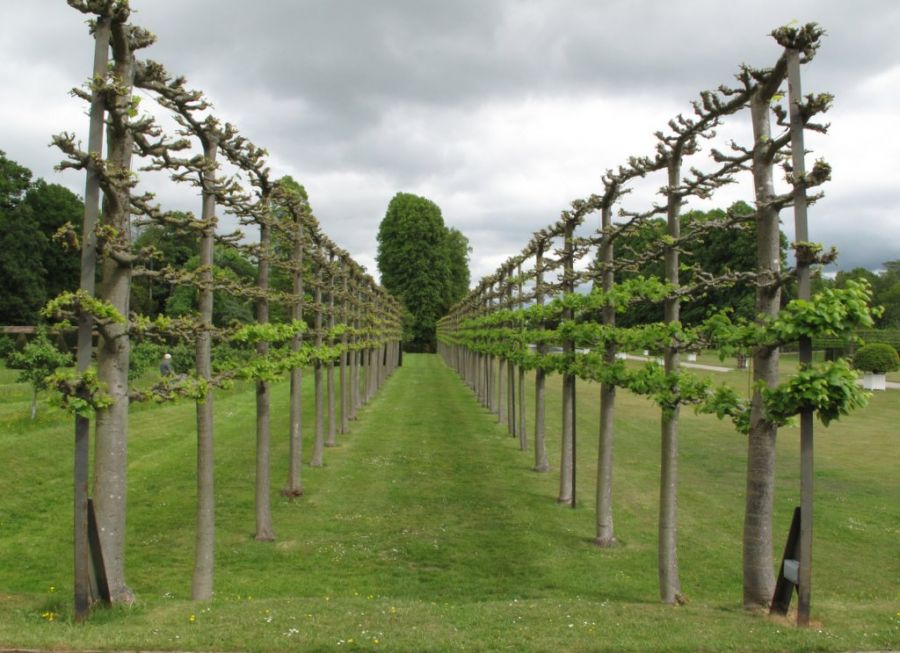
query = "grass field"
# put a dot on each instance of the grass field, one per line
(428, 531)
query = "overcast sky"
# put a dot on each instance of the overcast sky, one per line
(500, 111)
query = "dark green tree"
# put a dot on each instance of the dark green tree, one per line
(885, 290)
(14, 183)
(227, 307)
(167, 246)
(33, 267)
(22, 275)
(52, 207)
(422, 263)
(458, 250)
(717, 250)
(22, 289)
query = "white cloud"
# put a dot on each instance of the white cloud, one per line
(501, 112)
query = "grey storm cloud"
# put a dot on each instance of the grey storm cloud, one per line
(481, 105)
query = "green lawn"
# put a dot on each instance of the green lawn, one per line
(428, 531)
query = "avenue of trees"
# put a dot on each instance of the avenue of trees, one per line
(423, 263)
(581, 294)
(139, 279)
(288, 300)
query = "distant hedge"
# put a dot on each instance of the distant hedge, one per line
(869, 336)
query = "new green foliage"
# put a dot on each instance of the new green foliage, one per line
(37, 361)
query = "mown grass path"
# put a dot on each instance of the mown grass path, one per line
(427, 531)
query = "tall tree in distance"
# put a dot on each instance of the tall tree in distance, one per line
(422, 263)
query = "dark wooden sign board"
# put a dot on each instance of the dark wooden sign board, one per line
(784, 586)
(99, 583)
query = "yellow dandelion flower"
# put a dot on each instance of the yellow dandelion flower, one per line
(192, 619)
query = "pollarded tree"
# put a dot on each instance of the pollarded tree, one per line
(115, 180)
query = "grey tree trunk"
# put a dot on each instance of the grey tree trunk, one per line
(523, 434)
(264, 530)
(204, 552)
(567, 450)
(541, 463)
(669, 581)
(605, 532)
(319, 444)
(345, 356)
(566, 466)
(521, 426)
(294, 487)
(758, 574)
(111, 446)
(81, 565)
(511, 398)
(355, 354)
(332, 430)
(501, 391)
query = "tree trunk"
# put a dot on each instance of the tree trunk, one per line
(523, 434)
(81, 548)
(669, 581)
(345, 356)
(111, 446)
(759, 580)
(332, 426)
(319, 445)
(541, 463)
(566, 466)
(567, 450)
(264, 530)
(204, 552)
(294, 487)
(605, 532)
(511, 398)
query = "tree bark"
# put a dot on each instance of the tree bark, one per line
(332, 426)
(319, 444)
(669, 581)
(294, 487)
(204, 552)
(758, 574)
(345, 355)
(81, 551)
(264, 529)
(605, 532)
(541, 463)
(567, 450)
(111, 447)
